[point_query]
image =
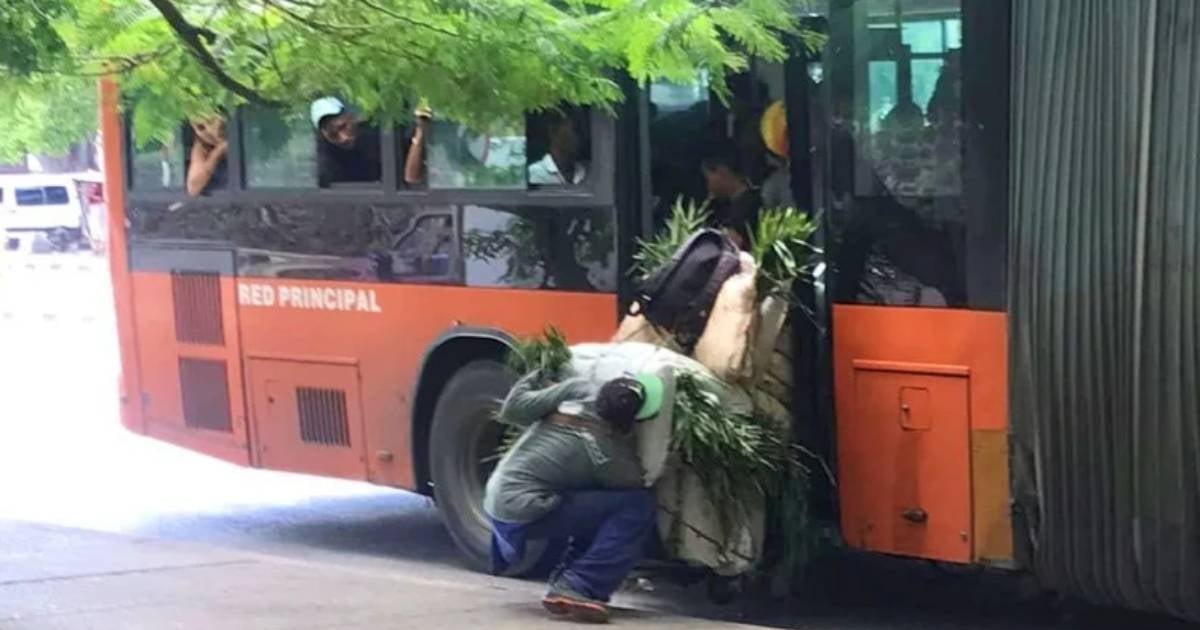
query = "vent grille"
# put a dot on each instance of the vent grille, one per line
(323, 416)
(197, 300)
(205, 388)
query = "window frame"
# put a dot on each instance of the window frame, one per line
(387, 167)
(983, 162)
(128, 152)
(44, 199)
(597, 190)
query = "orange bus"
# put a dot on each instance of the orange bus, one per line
(1003, 364)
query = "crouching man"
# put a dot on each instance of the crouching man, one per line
(574, 479)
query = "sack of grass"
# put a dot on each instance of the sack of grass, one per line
(726, 463)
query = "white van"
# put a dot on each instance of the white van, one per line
(55, 205)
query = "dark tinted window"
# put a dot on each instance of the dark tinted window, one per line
(55, 194)
(422, 249)
(722, 153)
(679, 123)
(317, 239)
(42, 195)
(30, 197)
(571, 249)
(896, 149)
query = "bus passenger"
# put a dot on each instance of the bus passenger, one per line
(414, 159)
(561, 164)
(575, 479)
(206, 161)
(348, 150)
(734, 201)
(776, 189)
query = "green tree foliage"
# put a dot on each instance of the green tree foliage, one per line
(475, 61)
(29, 39)
(45, 114)
(41, 111)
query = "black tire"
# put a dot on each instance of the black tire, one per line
(462, 453)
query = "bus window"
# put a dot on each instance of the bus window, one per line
(421, 250)
(558, 147)
(206, 155)
(705, 151)
(348, 147)
(679, 122)
(458, 157)
(279, 149)
(571, 249)
(896, 153)
(327, 146)
(41, 196)
(156, 165)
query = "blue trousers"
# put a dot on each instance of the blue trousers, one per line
(608, 531)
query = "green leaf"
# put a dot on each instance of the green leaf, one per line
(655, 252)
(476, 61)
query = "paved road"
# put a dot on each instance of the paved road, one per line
(65, 460)
(53, 578)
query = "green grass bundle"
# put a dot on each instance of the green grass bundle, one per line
(737, 457)
(779, 244)
(741, 459)
(655, 252)
(545, 354)
(781, 249)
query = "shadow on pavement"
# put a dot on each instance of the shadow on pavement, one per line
(387, 526)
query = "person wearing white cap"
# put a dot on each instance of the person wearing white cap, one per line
(348, 150)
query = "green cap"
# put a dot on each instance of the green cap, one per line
(652, 395)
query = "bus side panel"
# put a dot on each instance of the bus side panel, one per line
(922, 430)
(293, 331)
(192, 387)
(118, 258)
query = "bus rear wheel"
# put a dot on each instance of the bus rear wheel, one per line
(464, 449)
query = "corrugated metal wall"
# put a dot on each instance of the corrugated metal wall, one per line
(1104, 298)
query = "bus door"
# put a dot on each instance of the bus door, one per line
(913, 185)
(188, 346)
(769, 130)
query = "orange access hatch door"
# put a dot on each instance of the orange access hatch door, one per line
(188, 349)
(307, 417)
(904, 461)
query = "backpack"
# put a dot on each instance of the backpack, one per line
(679, 296)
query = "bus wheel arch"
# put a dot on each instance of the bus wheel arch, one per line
(448, 354)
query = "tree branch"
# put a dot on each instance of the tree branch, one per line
(266, 29)
(408, 20)
(191, 38)
(336, 30)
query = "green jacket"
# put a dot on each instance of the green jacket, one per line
(549, 459)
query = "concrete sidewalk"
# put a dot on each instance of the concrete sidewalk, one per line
(52, 577)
